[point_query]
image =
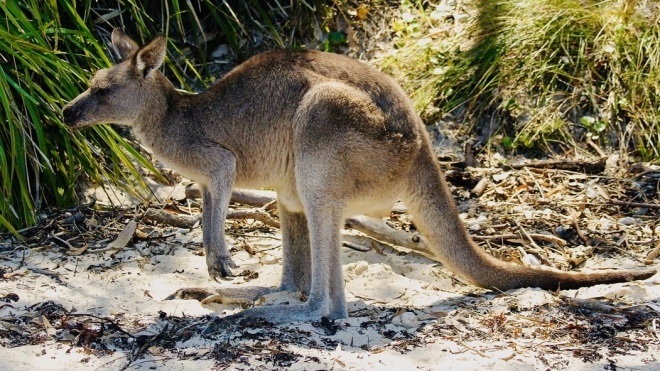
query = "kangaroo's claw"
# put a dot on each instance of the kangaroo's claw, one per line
(222, 268)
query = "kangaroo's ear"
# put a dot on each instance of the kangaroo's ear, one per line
(151, 56)
(124, 45)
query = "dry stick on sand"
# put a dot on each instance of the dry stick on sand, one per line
(189, 221)
(245, 197)
(634, 204)
(590, 304)
(592, 167)
(514, 236)
(379, 230)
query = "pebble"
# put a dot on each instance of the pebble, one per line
(628, 220)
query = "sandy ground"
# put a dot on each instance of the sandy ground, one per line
(407, 312)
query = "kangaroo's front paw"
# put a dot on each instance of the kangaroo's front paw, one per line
(221, 267)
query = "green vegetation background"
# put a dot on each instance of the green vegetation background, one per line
(552, 73)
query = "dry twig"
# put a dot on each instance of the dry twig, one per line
(634, 204)
(379, 230)
(594, 167)
(531, 236)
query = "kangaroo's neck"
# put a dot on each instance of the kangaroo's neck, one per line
(162, 96)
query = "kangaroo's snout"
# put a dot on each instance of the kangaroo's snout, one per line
(73, 116)
(76, 114)
(69, 115)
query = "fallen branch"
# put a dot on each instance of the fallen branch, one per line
(366, 243)
(530, 236)
(581, 235)
(589, 304)
(245, 197)
(634, 204)
(355, 246)
(375, 228)
(593, 167)
(256, 214)
(379, 230)
(596, 147)
(189, 221)
(176, 220)
(479, 189)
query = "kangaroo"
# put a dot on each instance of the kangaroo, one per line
(333, 136)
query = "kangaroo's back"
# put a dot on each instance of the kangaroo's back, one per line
(296, 71)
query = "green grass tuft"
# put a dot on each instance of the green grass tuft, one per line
(553, 72)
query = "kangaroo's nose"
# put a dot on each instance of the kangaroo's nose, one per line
(68, 115)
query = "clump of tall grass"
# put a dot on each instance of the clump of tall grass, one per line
(555, 72)
(42, 66)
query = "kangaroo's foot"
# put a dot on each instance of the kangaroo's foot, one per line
(192, 293)
(244, 295)
(221, 267)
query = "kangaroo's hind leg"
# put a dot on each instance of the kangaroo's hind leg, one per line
(326, 292)
(296, 254)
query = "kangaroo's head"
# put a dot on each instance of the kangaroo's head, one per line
(122, 93)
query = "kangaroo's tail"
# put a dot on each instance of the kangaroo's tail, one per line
(436, 216)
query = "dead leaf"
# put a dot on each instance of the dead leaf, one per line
(362, 12)
(603, 192)
(500, 177)
(124, 237)
(50, 330)
(10, 326)
(140, 234)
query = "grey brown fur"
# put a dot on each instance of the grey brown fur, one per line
(333, 136)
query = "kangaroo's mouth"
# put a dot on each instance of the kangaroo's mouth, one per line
(77, 125)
